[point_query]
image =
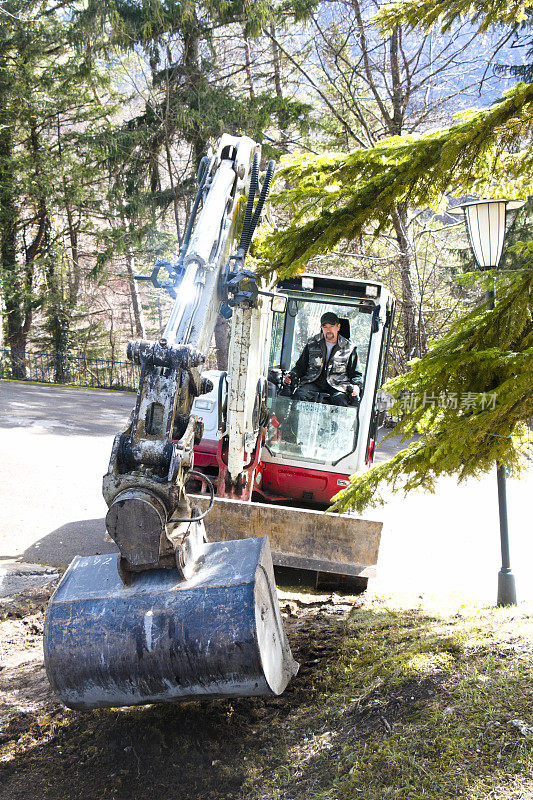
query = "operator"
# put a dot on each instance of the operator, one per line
(327, 366)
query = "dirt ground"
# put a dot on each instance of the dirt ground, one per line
(48, 751)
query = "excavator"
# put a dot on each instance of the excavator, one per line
(177, 614)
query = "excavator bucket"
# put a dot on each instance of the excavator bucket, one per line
(162, 639)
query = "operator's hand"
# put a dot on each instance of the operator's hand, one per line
(287, 379)
(356, 391)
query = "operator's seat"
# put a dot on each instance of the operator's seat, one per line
(345, 328)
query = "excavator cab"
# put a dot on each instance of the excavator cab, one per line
(312, 429)
(312, 438)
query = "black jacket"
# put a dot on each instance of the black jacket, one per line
(341, 370)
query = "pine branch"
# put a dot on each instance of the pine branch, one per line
(425, 14)
(336, 196)
(470, 398)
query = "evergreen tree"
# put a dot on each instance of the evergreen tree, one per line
(336, 196)
(46, 107)
(379, 84)
(188, 101)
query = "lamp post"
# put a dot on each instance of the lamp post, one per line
(485, 223)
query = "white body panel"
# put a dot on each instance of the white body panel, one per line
(205, 407)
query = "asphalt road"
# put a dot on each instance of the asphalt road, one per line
(55, 444)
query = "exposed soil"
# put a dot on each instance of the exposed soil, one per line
(214, 749)
(24, 688)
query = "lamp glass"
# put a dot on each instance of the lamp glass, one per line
(486, 229)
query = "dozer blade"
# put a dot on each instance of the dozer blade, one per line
(339, 544)
(162, 639)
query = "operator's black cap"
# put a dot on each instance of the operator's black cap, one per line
(329, 318)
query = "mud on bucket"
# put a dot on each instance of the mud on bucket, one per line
(162, 639)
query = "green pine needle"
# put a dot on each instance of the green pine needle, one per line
(487, 361)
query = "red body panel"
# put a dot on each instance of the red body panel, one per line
(279, 481)
(301, 483)
(205, 454)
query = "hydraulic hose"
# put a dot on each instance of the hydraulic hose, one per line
(246, 238)
(204, 169)
(269, 174)
(249, 229)
(251, 220)
(211, 488)
(223, 380)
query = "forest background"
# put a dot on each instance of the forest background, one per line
(107, 106)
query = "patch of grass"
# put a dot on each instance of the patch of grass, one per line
(428, 704)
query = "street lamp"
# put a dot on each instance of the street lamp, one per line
(485, 223)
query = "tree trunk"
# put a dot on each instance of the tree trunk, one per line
(75, 275)
(112, 342)
(398, 98)
(11, 271)
(276, 62)
(409, 306)
(160, 316)
(63, 284)
(276, 65)
(58, 319)
(193, 73)
(138, 316)
(248, 66)
(173, 187)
